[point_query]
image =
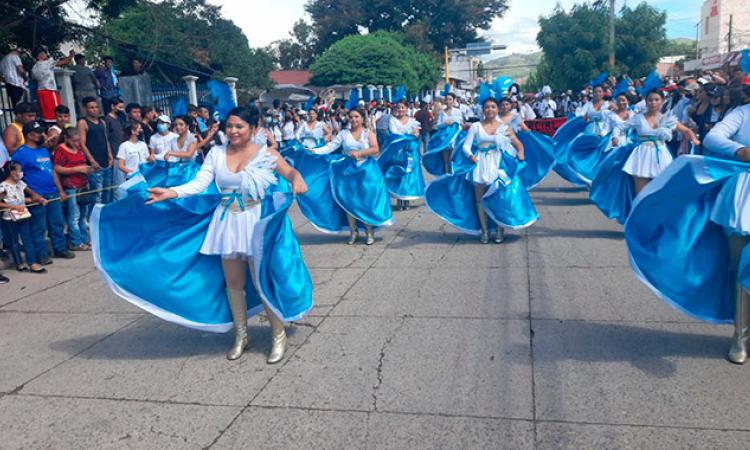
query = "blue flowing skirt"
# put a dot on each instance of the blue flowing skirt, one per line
(563, 139)
(539, 155)
(318, 204)
(400, 163)
(185, 287)
(451, 197)
(359, 188)
(675, 247)
(444, 138)
(613, 190)
(585, 154)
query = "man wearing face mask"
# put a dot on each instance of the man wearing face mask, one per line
(161, 142)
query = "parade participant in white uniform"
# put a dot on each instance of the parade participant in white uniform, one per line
(161, 142)
(184, 147)
(492, 137)
(447, 116)
(400, 124)
(596, 113)
(244, 170)
(313, 133)
(654, 129)
(730, 139)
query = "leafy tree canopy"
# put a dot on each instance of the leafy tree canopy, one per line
(429, 24)
(376, 58)
(296, 52)
(575, 43)
(179, 37)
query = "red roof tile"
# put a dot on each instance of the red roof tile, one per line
(299, 77)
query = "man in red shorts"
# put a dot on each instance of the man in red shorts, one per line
(44, 75)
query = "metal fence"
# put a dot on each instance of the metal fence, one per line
(165, 95)
(6, 109)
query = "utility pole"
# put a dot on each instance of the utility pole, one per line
(612, 35)
(729, 37)
(447, 79)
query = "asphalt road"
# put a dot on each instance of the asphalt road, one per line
(427, 339)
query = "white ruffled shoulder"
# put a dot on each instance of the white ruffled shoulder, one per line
(259, 174)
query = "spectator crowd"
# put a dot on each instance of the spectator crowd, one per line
(55, 171)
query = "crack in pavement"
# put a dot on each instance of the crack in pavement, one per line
(379, 369)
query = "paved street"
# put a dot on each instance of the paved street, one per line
(427, 339)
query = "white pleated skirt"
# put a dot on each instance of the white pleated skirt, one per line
(231, 237)
(732, 208)
(487, 170)
(648, 160)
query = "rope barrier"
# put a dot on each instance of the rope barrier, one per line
(57, 199)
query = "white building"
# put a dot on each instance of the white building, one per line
(724, 27)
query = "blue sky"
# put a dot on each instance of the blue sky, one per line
(264, 22)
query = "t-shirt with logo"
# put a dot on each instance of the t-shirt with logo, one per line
(36, 164)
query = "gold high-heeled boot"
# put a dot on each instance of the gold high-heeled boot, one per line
(278, 336)
(353, 233)
(499, 235)
(738, 350)
(370, 235)
(484, 236)
(238, 306)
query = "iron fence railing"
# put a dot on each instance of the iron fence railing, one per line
(165, 95)
(6, 109)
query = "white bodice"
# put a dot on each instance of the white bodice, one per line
(252, 181)
(395, 126)
(499, 141)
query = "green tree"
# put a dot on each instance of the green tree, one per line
(376, 58)
(641, 38)
(575, 43)
(429, 23)
(179, 37)
(679, 47)
(296, 52)
(30, 23)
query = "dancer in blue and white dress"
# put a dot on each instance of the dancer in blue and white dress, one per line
(538, 148)
(586, 151)
(313, 133)
(653, 129)
(400, 158)
(243, 171)
(612, 190)
(443, 143)
(688, 232)
(356, 182)
(485, 181)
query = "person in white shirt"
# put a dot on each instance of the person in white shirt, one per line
(14, 75)
(161, 142)
(547, 105)
(183, 147)
(43, 73)
(133, 152)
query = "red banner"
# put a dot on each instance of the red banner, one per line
(546, 126)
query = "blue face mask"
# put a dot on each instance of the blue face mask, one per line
(162, 127)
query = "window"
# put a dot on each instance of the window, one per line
(706, 22)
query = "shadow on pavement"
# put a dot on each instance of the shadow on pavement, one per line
(150, 340)
(558, 189)
(652, 351)
(538, 231)
(412, 238)
(560, 201)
